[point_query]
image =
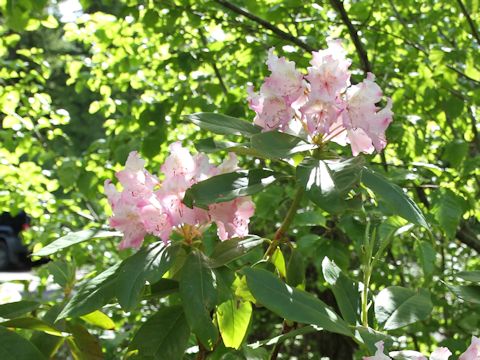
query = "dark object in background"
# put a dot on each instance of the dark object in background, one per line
(14, 256)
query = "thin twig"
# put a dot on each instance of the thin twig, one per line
(470, 21)
(282, 34)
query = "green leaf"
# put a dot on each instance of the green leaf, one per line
(396, 307)
(278, 145)
(98, 318)
(291, 334)
(63, 272)
(74, 238)
(469, 293)
(370, 337)
(346, 294)
(209, 145)
(148, 264)
(397, 201)
(223, 124)
(14, 346)
(163, 287)
(231, 249)
(293, 304)
(93, 294)
(279, 261)
(199, 295)
(83, 345)
(427, 256)
(296, 269)
(163, 336)
(227, 187)
(327, 182)
(469, 275)
(48, 344)
(18, 308)
(233, 318)
(32, 323)
(448, 212)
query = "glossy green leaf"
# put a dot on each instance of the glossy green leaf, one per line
(427, 256)
(198, 291)
(278, 145)
(32, 323)
(48, 344)
(163, 287)
(163, 336)
(231, 249)
(63, 272)
(75, 238)
(396, 307)
(14, 346)
(223, 124)
(397, 201)
(233, 318)
(226, 187)
(93, 294)
(468, 293)
(83, 345)
(448, 211)
(473, 276)
(18, 308)
(98, 318)
(279, 261)
(296, 268)
(209, 145)
(292, 304)
(327, 182)
(148, 264)
(344, 289)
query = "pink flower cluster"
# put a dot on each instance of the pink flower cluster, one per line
(324, 102)
(472, 353)
(148, 206)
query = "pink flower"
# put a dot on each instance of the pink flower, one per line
(141, 209)
(280, 96)
(285, 81)
(324, 102)
(379, 355)
(440, 354)
(473, 351)
(329, 75)
(232, 217)
(126, 219)
(361, 113)
(134, 178)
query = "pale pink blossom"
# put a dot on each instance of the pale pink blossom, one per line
(323, 102)
(362, 113)
(232, 217)
(440, 354)
(280, 96)
(146, 206)
(329, 75)
(285, 80)
(273, 112)
(473, 351)
(134, 178)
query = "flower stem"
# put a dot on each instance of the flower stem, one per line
(292, 211)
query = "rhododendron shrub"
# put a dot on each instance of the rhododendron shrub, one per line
(196, 258)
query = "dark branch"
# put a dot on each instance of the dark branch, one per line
(362, 54)
(282, 34)
(470, 21)
(213, 64)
